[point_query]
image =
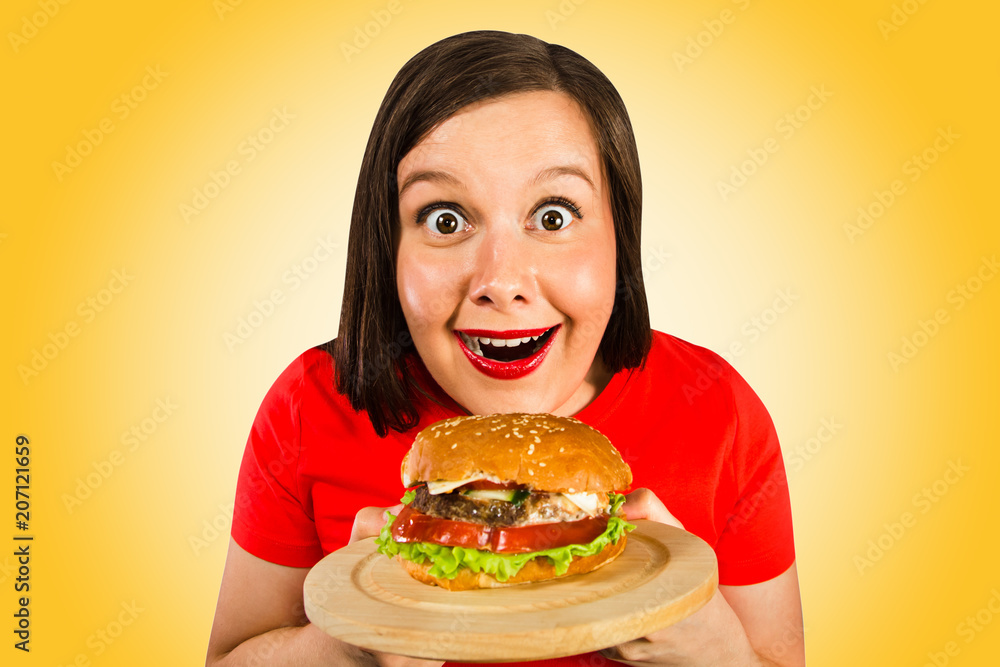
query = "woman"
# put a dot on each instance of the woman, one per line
(494, 267)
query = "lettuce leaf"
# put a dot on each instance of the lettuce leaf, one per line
(448, 561)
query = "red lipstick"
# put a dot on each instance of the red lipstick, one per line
(507, 370)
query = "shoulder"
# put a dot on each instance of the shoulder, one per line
(314, 365)
(708, 387)
(691, 385)
(311, 374)
(306, 384)
(693, 372)
(684, 355)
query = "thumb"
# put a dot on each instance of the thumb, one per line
(369, 521)
(643, 504)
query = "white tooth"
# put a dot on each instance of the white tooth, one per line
(499, 342)
(526, 339)
(535, 337)
(485, 341)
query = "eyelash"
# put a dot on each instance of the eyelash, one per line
(422, 214)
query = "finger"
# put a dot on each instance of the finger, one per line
(369, 521)
(643, 504)
(615, 654)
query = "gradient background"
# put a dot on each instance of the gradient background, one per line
(712, 266)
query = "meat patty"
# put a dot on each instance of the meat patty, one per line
(536, 508)
(462, 508)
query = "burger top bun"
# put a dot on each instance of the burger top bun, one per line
(544, 452)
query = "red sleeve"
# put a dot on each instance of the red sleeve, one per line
(271, 519)
(757, 542)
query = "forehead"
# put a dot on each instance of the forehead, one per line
(518, 133)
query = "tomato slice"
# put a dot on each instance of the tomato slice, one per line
(522, 539)
(413, 526)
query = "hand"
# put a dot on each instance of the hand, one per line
(389, 660)
(367, 523)
(705, 637)
(713, 635)
(643, 504)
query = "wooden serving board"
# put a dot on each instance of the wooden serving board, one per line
(361, 597)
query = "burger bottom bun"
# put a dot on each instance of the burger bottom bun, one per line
(538, 569)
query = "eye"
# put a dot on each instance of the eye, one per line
(555, 215)
(445, 221)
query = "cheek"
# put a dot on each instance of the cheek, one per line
(589, 287)
(428, 291)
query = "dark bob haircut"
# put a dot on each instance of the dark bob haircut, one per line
(373, 345)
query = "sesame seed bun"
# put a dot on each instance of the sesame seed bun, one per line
(541, 451)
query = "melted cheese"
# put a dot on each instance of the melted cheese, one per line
(444, 486)
(585, 501)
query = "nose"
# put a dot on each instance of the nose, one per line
(504, 273)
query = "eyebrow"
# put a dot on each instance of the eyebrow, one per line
(432, 176)
(562, 170)
(547, 174)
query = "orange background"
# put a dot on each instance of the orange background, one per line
(130, 497)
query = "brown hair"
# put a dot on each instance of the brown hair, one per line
(373, 343)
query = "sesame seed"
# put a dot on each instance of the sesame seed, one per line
(530, 471)
(541, 464)
(454, 445)
(533, 431)
(562, 449)
(479, 434)
(537, 439)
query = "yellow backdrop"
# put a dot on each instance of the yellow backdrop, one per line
(820, 207)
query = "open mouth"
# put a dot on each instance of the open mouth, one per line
(506, 349)
(506, 355)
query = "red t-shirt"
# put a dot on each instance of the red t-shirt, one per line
(689, 426)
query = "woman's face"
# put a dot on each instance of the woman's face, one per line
(506, 256)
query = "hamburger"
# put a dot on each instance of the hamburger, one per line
(498, 500)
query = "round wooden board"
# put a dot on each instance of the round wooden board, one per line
(363, 598)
